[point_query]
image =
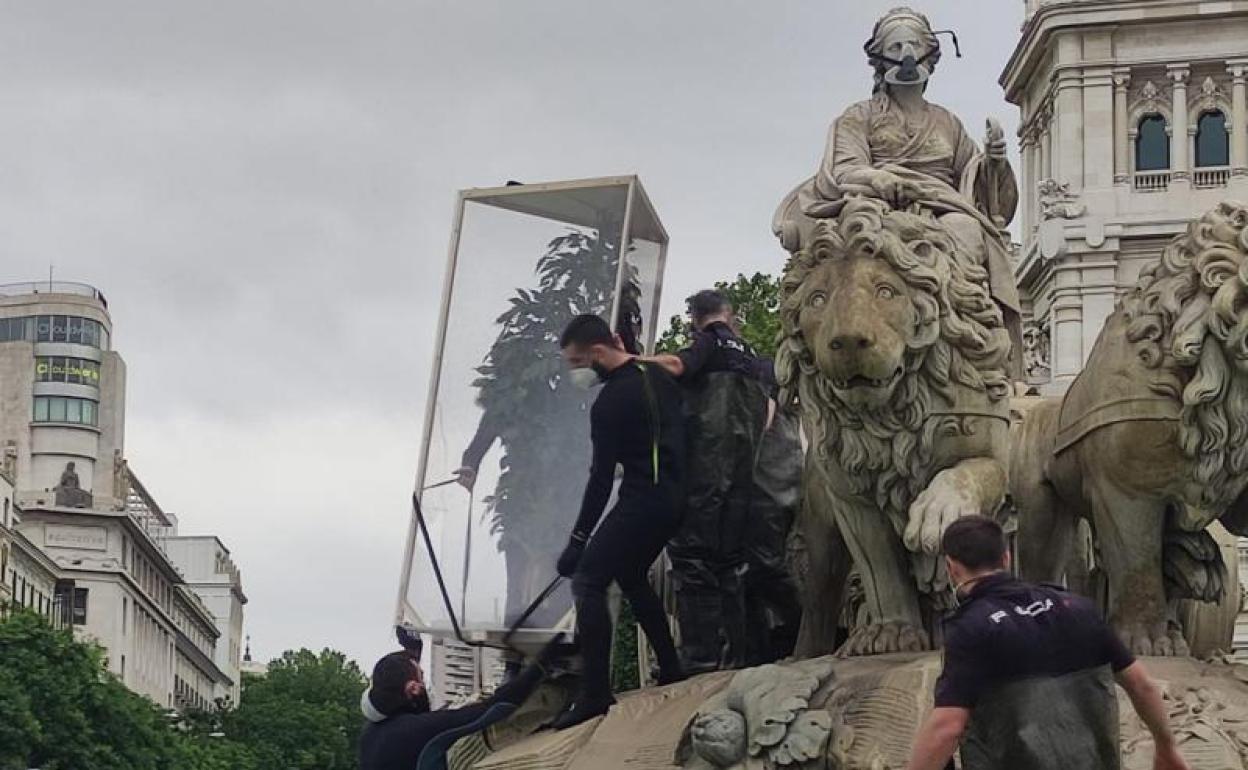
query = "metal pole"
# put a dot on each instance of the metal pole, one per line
(622, 246)
(435, 375)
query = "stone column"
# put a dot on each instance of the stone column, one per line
(1239, 116)
(1179, 137)
(1067, 152)
(1027, 185)
(1122, 140)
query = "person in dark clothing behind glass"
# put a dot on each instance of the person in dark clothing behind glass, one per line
(726, 412)
(1027, 682)
(404, 734)
(636, 423)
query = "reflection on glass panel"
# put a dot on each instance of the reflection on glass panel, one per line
(56, 409)
(41, 410)
(506, 410)
(89, 412)
(1152, 145)
(504, 413)
(642, 282)
(75, 330)
(44, 328)
(1213, 145)
(60, 328)
(73, 410)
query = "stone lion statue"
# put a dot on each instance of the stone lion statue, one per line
(1150, 443)
(897, 354)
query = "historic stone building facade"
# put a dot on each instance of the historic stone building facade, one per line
(1134, 119)
(81, 539)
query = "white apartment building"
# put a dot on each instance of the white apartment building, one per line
(88, 539)
(210, 573)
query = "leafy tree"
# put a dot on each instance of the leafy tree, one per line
(61, 710)
(303, 714)
(756, 300)
(624, 672)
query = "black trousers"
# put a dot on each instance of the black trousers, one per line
(621, 550)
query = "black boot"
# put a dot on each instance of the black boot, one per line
(593, 623)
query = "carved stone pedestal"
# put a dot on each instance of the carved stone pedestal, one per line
(854, 714)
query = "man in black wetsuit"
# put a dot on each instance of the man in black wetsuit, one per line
(403, 734)
(726, 413)
(1027, 678)
(634, 423)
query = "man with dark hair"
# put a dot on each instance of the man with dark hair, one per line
(403, 734)
(635, 423)
(1026, 682)
(726, 415)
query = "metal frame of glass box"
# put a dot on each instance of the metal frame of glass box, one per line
(574, 204)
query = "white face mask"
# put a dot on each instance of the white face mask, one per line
(584, 377)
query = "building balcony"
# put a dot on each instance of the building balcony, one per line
(52, 287)
(1151, 181)
(1211, 177)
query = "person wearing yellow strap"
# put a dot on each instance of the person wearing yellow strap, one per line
(635, 423)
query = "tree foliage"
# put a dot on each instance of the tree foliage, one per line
(303, 714)
(756, 300)
(527, 402)
(60, 709)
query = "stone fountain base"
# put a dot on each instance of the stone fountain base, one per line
(855, 714)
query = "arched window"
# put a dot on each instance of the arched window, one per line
(1152, 145)
(1213, 146)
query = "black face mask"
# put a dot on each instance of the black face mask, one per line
(420, 703)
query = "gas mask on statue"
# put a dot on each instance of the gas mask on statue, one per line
(909, 70)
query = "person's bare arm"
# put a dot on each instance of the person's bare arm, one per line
(672, 363)
(938, 738)
(1146, 699)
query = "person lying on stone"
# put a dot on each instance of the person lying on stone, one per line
(403, 733)
(1027, 674)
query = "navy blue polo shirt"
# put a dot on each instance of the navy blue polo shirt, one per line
(1007, 630)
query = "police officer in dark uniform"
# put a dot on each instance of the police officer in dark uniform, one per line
(726, 411)
(1028, 680)
(772, 607)
(636, 424)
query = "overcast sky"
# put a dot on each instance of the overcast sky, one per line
(264, 192)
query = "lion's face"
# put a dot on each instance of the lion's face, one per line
(858, 319)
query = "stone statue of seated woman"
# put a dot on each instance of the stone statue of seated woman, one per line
(902, 149)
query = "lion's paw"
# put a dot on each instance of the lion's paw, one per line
(1161, 640)
(948, 498)
(881, 638)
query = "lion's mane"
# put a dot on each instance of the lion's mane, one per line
(1186, 317)
(960, 342)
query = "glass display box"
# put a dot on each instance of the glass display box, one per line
(505, 451)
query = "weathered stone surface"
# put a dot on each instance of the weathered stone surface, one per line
(901, 340)
(841, 714)
(1150, 442)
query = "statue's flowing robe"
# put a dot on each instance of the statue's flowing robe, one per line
(953, 177)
